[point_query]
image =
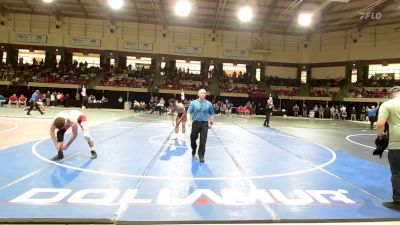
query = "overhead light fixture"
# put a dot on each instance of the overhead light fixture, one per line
(47, 1)
(245, 14)
(115, 4)
(305, 19)
(183, 8)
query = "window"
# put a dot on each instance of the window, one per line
(391, 71)
(303, 77)
(258, 74)
(163, 64)
(58, 59)
(4, 57)
(193, 66)
(138, 63)
(93, 60)
(28, 56)
(230, 69)
(353, 75)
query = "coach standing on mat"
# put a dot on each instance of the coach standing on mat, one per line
(390, 112)
(201, 111)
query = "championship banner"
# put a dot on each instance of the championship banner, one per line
(39, 38)
(90, 42)
(181, 49)
(31, 38)
(131, 45)
(195, 50)
(93, 42)
(236, 53)
(146, 46)
(188, 50)
(78, 41)
(138, 46)
(23, 37)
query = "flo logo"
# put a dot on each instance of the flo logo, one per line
(370, 15)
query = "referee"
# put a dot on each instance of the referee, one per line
(33, 103)
(201, 111)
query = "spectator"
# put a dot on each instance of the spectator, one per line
(13, 100)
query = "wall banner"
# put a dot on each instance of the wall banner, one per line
(188, 50)
(31, 38)
(138, 46)
(90, 42)
(236, 53)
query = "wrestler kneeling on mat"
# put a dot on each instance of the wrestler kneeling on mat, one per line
(62, 122)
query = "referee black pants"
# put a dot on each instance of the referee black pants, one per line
(199, 127)
(267, 118)
(33, 104)
(394, 162)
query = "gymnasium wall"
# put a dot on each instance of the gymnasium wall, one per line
(381, 42)
(373, 43)
(282, 72)
(333, 72)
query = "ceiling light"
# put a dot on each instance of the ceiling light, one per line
(47, 1)
(245, 14)
(305, 19)
(115, 4)
(183, 8)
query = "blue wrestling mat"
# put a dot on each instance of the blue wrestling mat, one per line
(251, 174)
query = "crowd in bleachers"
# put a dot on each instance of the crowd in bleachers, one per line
(325, 87)
(339, 82)
(241, 83)
(6, 72)
(22, 72)
(358, 90)
(67, 74)
(285, 91)
(279, 81)
(180, 78)
(236, 77)
(36, 72)
(324, 91)
(378, 81)
(135, 78)
(283, 86)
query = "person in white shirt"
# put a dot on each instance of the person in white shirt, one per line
(65, 120)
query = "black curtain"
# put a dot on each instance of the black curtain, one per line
(12, 56)
(50, 61)
(349, 69)
(103, 60)
(262, 72)
(122, 62)
(67, 59)
(204, 69)
(219, 70)
(365, 71)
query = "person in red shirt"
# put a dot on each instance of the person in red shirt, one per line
(22, 100)
(13, 100)
(239, 110)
